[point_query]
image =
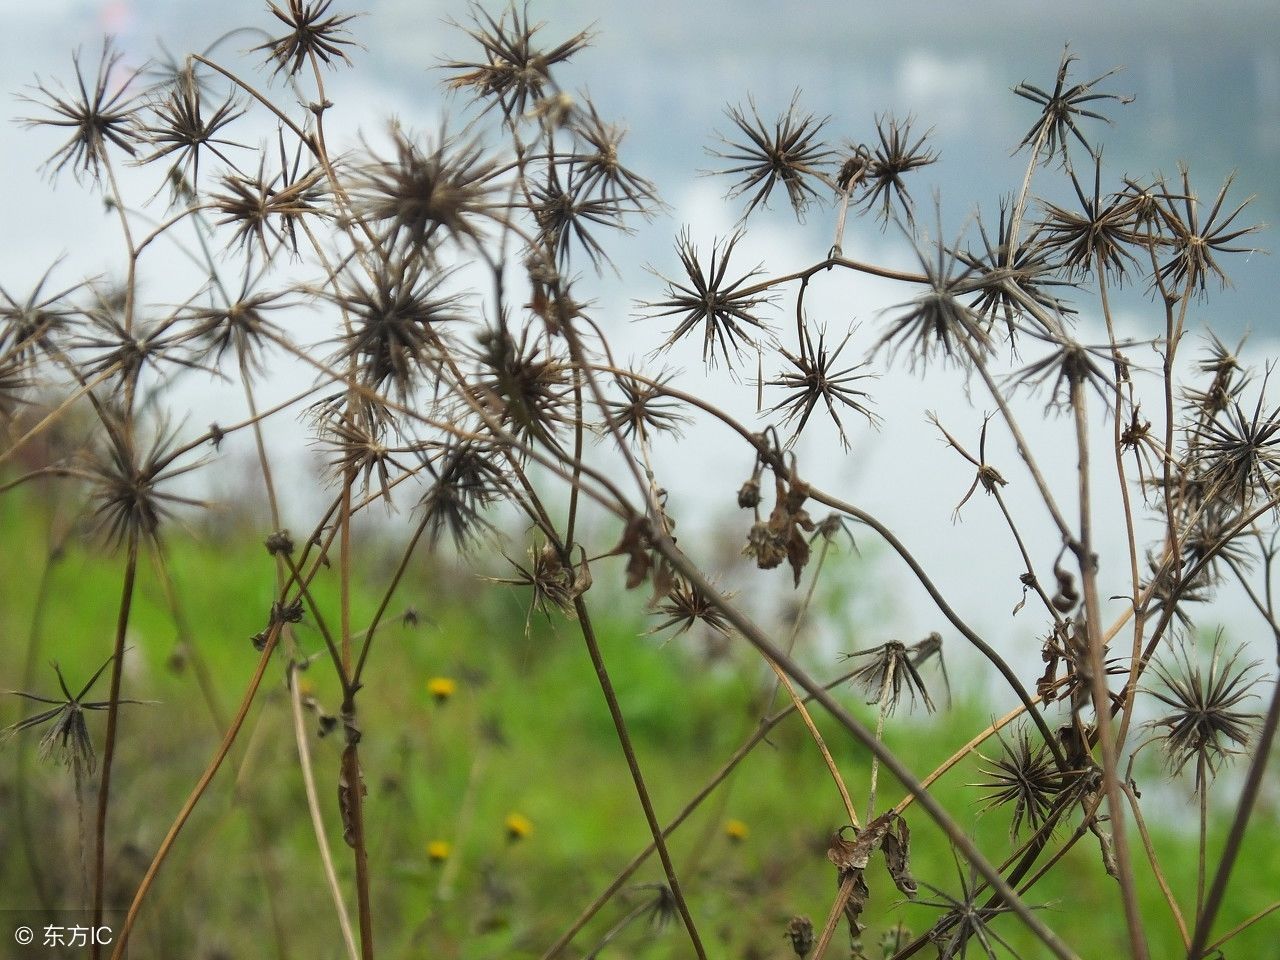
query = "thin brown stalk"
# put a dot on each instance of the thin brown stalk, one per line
(1154, 861)
(1240, 927)
(1098, 681)
(1261, 752)
(833, 916)
(963, 844)
(166, 845)
(109, 738)
(820, 744)
(762, 730)
(637, 777)
(317, 818)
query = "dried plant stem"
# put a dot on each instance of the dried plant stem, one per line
(57, 412)
(633, 764)
(35, 634)
(766, 701)
(1087, 823)
(882, 708)
(1024, 195)
(945, 609)
(1202, 848)
(109, 738)
(1156, 869)
(406, 555)
(1026, 556)
(1098, 680)
(1261, 752)
(264, 462)
(270, 640)
(1020, 441)
(186, 637)
(612, 933)
(958, 837)
(857, 266)
(130, 284)
(250, 694)
(317, 819)
(833, 916)
(842, 213)
(1130, 526)
(820, 744)
(1241, 927)
(696, 801)
(352, 777)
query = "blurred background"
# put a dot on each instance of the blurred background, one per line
(1207, 93)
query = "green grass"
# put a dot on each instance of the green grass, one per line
(529, 730)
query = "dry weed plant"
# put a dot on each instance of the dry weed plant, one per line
(463, 400)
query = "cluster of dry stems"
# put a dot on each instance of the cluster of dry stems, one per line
(452, 398)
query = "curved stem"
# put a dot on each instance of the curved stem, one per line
(954, 833)
(113, 713)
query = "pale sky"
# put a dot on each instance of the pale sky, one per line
(1207, 91)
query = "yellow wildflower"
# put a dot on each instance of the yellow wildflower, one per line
(438, 851)
(442, 688)
(736, 830)
(518, 826)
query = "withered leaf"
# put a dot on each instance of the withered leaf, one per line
(1107, 848)
(856, 901)
(855, 854)
(887, 832)
(633, 543)
(897, 857)
(851, 858)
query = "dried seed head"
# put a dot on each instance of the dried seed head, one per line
(893, 155)
(889, 670)
(128, 486)
(1061, 109)
(1097, 234)
(800, 933)
(790, 153)
(938, 321)
(313, 36)
(466, 479)
(266, 208)
(240, 327)
(105, 114)
(1024, 775)
(36, 327)
(522, 382)
(644, 412)
(396, 338)
(425, 194)
(600, 172)
(815, 378)
(179, 128)
(514, 74)
(68, 736)
(1195, 243)
(1206, 722)
(685, 606)
(706, 299)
